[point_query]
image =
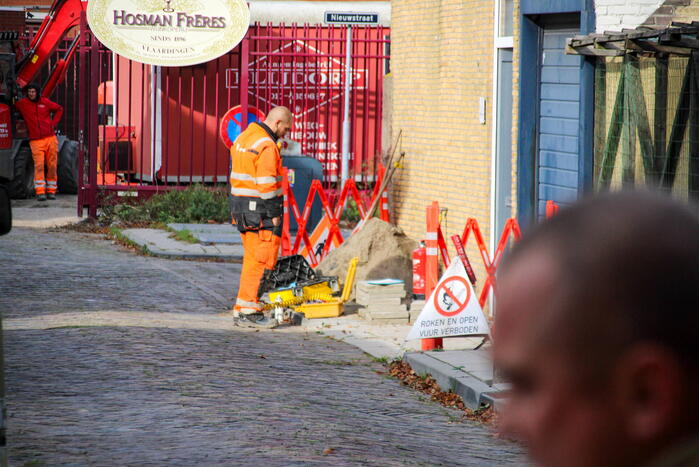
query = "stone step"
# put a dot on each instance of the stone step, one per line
(386, 308)
(388, 321)
(387, 314)
(379, 301)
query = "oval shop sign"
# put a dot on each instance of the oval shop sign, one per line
(169, 32)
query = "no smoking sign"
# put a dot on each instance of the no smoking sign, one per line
(452, 296)
(452, 309)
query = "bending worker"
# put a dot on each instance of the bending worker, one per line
(36, 111)
(257, 207)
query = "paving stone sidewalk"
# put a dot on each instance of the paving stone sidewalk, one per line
(466, 372)
(119, 359)
(160, 243)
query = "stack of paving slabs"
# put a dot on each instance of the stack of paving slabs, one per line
(383, 301)
(416, 307)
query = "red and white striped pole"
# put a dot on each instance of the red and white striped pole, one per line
(385, 216)
(432, 265)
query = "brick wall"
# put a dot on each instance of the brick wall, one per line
(12, 21)
(684, 11)
(442, 63)
(615, 15)
(515, 104)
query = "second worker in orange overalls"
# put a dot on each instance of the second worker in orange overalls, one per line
(41, 116)
(257, 207)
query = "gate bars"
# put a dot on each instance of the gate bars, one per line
(145, 129)
(304, 68)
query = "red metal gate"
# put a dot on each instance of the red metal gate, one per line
(147, 128)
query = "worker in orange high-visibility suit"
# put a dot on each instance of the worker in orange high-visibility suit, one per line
(36, 111)
(257, 208)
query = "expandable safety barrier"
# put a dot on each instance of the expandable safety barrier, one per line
(331, 215)
(166, 132)
(437, 246)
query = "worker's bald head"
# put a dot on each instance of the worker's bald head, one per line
(279, 113)
(279, 120)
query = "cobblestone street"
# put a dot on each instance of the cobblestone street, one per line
(117, 359)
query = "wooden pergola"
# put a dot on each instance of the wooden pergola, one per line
(676, 39)
(629, 124)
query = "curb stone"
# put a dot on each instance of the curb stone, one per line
(474, 392)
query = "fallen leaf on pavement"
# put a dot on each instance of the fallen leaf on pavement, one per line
(428, 385)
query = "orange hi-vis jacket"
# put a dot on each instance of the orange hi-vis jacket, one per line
(256, 178)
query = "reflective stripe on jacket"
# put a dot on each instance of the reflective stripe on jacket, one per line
(256, 165)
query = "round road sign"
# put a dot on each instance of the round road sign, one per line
(231, 123)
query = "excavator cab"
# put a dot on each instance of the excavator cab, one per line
(11, 141)
(7, 76)
(8, 86)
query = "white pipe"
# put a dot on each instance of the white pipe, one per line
(156, 121)
(346, 128)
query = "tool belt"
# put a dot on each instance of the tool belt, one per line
(253, 214)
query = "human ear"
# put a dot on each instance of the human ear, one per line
(649, 391)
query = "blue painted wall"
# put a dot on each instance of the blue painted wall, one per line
(555, 151)
(538, 7)
(558, 122)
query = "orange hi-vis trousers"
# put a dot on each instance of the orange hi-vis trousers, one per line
(260, 252)
(45, 152)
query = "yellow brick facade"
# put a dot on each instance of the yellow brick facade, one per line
(515, 105)
(442, 63)
(687, 13)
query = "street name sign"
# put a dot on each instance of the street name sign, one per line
(452, 309)
(339, 17)
(169, 32)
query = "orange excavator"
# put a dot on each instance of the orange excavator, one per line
(19, 66)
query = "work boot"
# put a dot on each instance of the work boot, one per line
(51, 196)
(41, 198)
(256, 320)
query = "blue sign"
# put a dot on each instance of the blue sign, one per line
(231, 126)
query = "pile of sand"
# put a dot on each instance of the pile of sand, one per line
(384, 251)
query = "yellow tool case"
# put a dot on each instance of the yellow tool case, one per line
(332, 308)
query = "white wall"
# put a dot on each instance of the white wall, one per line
(615, 15)
(312, 12)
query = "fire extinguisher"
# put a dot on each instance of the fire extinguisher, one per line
(419, 271)
(5, 127)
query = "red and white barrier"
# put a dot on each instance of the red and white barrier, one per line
(328, 230)
(436, 244)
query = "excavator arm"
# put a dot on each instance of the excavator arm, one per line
(63, 15)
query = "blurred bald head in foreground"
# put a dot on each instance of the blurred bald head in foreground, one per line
(597, 331)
